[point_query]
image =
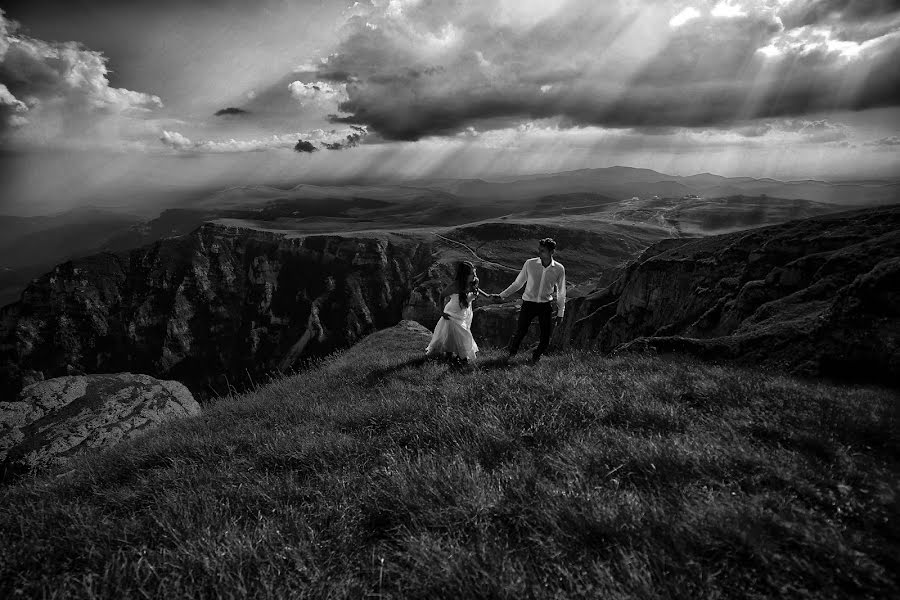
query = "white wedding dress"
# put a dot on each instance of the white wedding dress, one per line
(454, 335)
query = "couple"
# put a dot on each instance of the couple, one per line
(544, 280)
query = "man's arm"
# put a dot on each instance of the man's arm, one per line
(561, 294)
(517, 284)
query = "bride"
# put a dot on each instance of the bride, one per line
(452, 336)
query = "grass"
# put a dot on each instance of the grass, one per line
(378, 475)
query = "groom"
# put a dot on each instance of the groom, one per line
(544, 279)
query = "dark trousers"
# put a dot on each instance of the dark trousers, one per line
(544, 312)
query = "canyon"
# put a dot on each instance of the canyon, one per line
(225, 306)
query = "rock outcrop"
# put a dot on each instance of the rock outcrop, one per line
(819, 296)
(215, 309)
(53, 420)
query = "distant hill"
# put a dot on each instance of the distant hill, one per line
(626, 182)
(30, 246)
(587, 195)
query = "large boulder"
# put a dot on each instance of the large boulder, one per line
(56, 419)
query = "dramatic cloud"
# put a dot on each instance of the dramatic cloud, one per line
(177, 141)
(351, 140)
(52, 89)
(11, 109)
(414, 68)
(330, 140)
(469, 88)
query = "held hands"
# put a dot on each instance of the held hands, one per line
(480, 292)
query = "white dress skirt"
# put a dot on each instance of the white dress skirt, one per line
(454, 335)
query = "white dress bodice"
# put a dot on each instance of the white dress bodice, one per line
(457, 312)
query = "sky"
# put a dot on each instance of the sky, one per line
(102, 99)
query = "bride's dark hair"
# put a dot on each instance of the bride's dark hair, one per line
(463, 270)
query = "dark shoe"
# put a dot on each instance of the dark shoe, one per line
(534, 360)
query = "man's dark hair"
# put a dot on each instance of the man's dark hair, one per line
(548, 243)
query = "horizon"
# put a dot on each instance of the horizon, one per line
(201, 192)
(151, 201)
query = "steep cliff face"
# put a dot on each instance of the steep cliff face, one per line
(817, 296)
(221, 306)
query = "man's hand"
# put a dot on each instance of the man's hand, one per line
(445, 316)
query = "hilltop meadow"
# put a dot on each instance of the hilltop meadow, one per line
(377, 474)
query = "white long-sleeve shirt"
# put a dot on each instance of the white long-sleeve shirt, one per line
(541, 283)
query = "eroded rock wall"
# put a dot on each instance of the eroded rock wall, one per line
(219, 307)
(816, 296)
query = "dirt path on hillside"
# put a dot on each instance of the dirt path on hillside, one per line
(475, 254)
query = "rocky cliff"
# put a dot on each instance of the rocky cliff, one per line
(219, 307)
(223, 306)
(818, 296)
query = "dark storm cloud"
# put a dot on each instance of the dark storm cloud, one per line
(430, 68)
(304, 146)
(231, 110)
(432, 116)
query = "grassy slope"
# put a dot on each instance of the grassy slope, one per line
(377, 475)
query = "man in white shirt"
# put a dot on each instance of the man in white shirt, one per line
(545, 282)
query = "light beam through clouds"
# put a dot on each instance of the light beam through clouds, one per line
(479, 88)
